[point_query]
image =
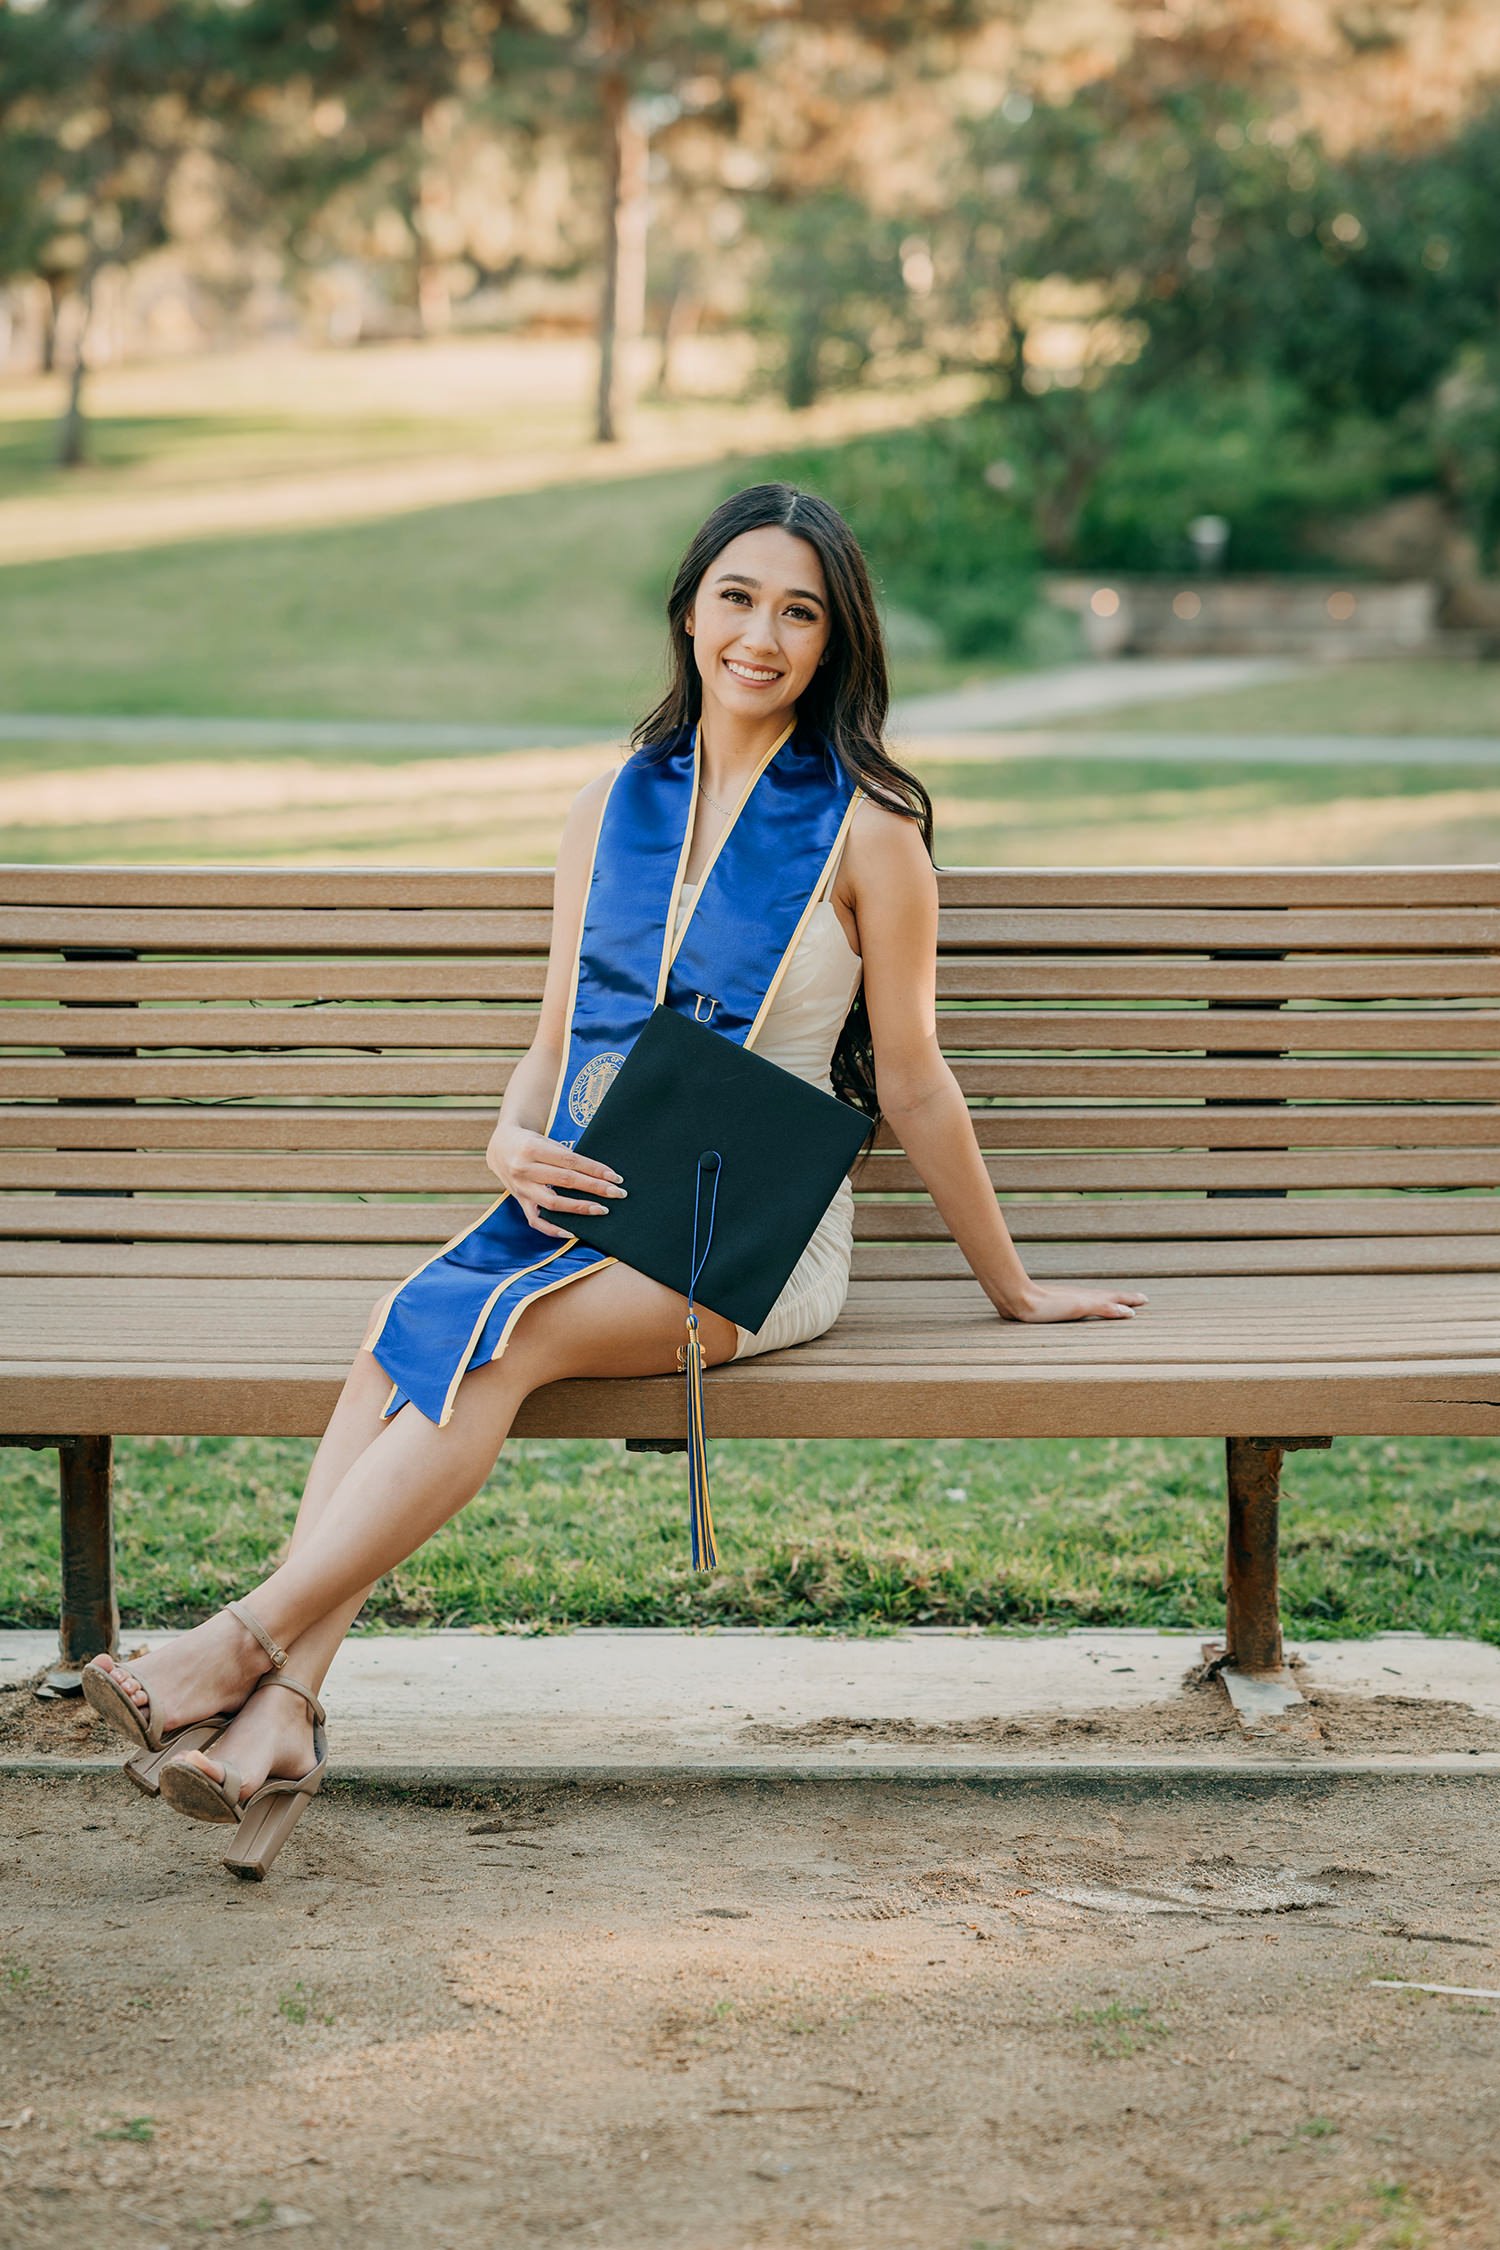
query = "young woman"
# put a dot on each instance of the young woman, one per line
(756, 855)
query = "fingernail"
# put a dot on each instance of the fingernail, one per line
(617, 1175)
(623, 1191)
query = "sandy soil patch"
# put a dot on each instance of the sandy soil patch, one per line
(1198, 1720)
(1057, 2015)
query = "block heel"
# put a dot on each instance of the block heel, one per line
(266, 1823)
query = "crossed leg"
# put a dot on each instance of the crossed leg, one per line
(378, 1490)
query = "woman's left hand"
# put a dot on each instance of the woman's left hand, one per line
(1051, 1301)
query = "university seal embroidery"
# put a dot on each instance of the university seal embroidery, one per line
(591, 1085)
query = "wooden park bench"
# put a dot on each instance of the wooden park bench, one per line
(237, 1104)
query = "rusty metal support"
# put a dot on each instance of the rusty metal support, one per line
(90, 1620)
(1252, 1625)
(89, 1615)
(1250, 1663)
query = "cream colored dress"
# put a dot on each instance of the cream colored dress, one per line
(800, 1032)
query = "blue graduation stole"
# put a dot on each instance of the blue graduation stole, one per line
(752, 904)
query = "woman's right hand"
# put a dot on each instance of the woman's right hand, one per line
(546, 1175)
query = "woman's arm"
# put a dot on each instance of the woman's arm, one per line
(894, 893)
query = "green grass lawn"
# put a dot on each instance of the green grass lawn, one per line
(534, 607)
(1068, 812)
(1396, 696)
(848, 1536)
(166, 452)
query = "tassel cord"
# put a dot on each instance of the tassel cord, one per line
(700, 1520)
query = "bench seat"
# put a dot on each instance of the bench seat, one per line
(150, 1355)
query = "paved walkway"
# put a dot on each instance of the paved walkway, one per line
(457, 1706)
(1061, 691)
(928, 746)
(990, 721)
(286, 734)
(997, 748)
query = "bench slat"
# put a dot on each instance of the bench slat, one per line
(467, 1130)
(1167, 1219)
(1386, 929)
(287, 1172)
(1377, 1029)
(961, 978)
(380, 1263)
(178, 886)
(1035, 1078)
(80, 1313)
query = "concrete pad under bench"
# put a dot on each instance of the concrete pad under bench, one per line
(473, 1707)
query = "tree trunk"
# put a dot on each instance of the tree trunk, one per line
(673, 324)
(72, 434)
(52, 296)
(801, 380)
(622, 299)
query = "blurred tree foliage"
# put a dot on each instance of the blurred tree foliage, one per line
(1182, 300)
(101, 105)
(1186, 305)
(1149, 261)
(828, 290)
(350, 111)
(941, 541)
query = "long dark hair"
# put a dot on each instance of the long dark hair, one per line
(846, 699)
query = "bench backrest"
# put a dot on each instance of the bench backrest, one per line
(1191, 1069)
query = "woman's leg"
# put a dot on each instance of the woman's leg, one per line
(354, 1424)
(397, 1492)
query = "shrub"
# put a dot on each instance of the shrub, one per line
(942, 542)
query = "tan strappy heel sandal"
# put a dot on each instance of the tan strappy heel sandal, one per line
(144, 1769)
(266, 1819)
(103, 1693)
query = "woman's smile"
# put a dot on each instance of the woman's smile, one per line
(753, 675)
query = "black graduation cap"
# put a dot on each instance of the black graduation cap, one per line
(717, 1145)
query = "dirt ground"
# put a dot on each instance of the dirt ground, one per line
(1050, 2013)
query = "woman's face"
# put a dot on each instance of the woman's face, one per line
(760, 622)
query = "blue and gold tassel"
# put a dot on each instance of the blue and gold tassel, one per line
(690, 1360)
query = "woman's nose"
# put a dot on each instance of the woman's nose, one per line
(759, 632)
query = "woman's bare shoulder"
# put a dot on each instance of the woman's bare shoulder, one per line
(884, 847)
(582, 821)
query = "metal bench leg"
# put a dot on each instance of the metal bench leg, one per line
(1250, 1662)
(90, 1612)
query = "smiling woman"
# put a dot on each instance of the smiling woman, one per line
(757, 795)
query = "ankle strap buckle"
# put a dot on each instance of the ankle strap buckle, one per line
(257, 1631)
